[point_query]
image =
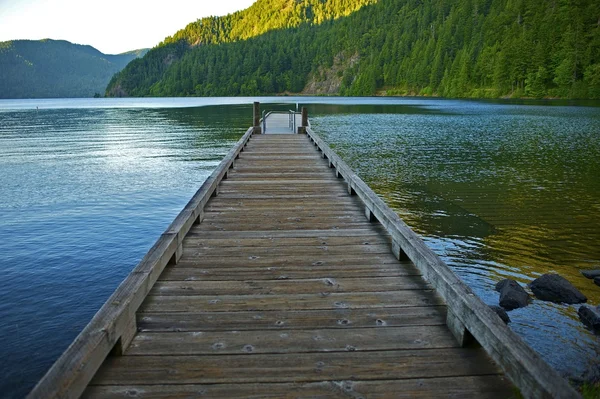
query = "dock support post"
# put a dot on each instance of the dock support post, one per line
(351, 190)
(177, 255)
(126, 338)
(304, 124)
(462, 335)
(369, 215)
(256, 124)
(398, 252)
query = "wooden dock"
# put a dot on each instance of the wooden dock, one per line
(283, 278)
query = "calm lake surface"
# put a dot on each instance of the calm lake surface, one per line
(497, 189)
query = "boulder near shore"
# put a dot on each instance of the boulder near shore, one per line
(591, 274)
(555, 288)
(512, 295)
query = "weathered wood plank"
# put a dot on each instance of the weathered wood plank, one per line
(256, 207)
(323, 176)
(247, 166)
(295, 224)
(332, 301)
(290, 205)
(225, 214)
(288, 170)
(322, 233)
(290, 250)
(275, 242)
(301, 185)
(283, 157)
(283, 272)
(471, 387)
(291, 341)
(270, 183)
(266, 152)
(299, 261)
(282, 162)
(273, 178)
(301, 367)
(254, 215)
(293, 320)
(283, 190)
(282, 138)
(266, 196)
(313, 199)
(288, 286)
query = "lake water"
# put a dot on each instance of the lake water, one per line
(497, 189)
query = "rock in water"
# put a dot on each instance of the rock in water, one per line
(512, 295)
(590, 273)
(590, 317)
(502, 313)
(597, 281)
(554, 288)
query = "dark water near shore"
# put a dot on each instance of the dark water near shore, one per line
(86, 186)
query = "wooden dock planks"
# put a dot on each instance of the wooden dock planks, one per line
(285, 289)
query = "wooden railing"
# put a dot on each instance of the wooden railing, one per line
(114, 325)
(468, 317)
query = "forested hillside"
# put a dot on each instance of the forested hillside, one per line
(452, 48)
(56, 68)
(263, 16)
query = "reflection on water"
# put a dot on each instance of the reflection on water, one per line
(498, 191)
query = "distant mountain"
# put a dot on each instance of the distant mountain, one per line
(56, 68)
(450, 48)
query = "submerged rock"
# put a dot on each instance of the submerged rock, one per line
(555, 288)
(590, 317)
(512, 295)
(591, 274)
(501, 312)
(597, 281)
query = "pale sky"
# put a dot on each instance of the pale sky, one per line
(111, 26)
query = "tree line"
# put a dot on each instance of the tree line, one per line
(450, 48)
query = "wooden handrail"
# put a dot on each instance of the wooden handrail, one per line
(468, 316)
(112, 328)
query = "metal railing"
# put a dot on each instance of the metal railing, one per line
(292, 118)
(292, 123)
(263, 121)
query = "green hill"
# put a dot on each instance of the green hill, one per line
(56, 68)
(263, 16)
(452, 48)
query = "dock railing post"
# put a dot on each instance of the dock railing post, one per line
(256, 124)
(304, 124)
